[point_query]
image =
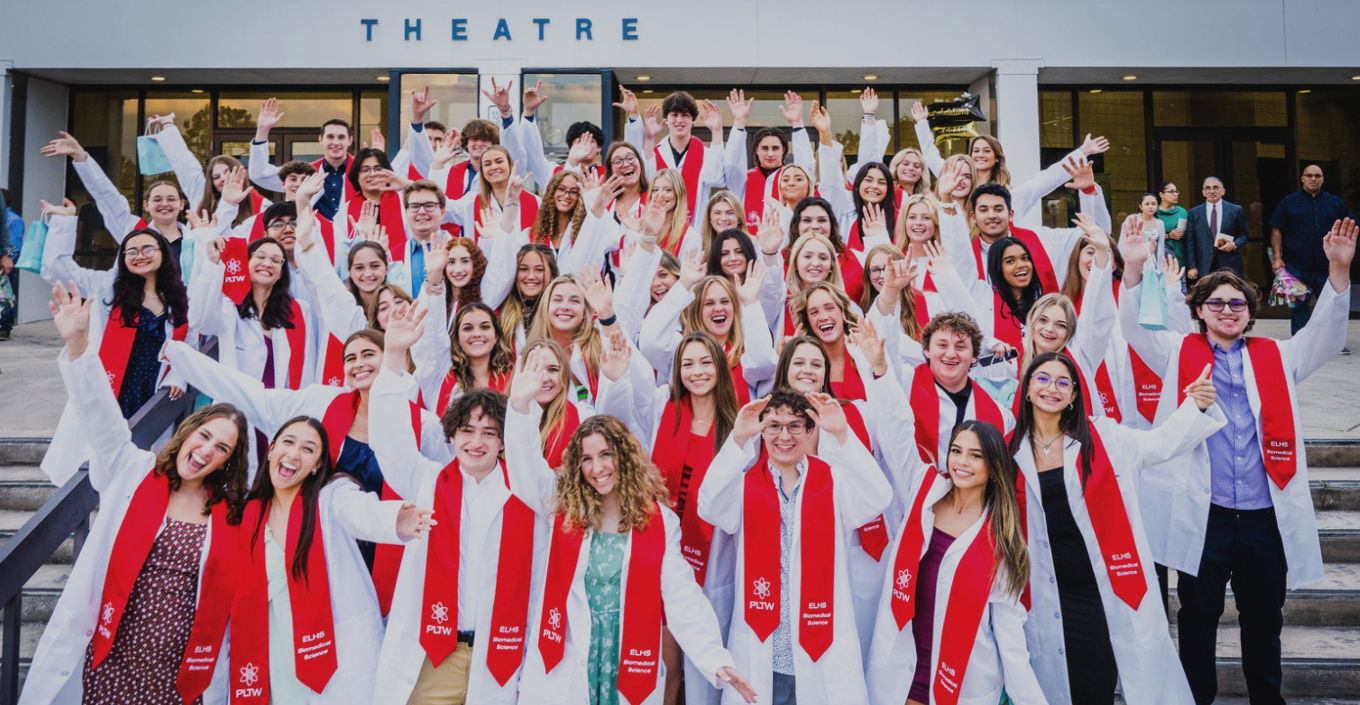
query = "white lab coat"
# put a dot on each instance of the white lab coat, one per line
(69, 447)
(739, 165)
(689, 616)
(999, 658)
(861, 493)
(713, 175)
(413, 476)
(1149, 668)
(118, 217)
(117, 469)
(662, 332)
(1178, 516)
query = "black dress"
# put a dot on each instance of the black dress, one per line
(1091, 671)
(144, 364)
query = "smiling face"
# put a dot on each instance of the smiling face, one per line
(142, 255)
(698, 369)
(662, 282)
(793, 185)
(1050, 329)
(664, 193)
(784, 433)
(967, 465)
(206, 449)
(991, 216)
(722, 216)
(732, 259)
(814, 263)
(567, 194)
(807, 369)
(566, 307)
(552, 379)
(874, 187)
(718, 310)
(495, 167)
(826, 318)
(291, 183)
(294, 455)
(909, 170)
(219, 175)
(362, 360)
(625, 164)
(1226, 324)
(368, 271)
(813, 220)
(335, 140)
(478, 443)
(423, 212)
(680, 124)
(284, 229)
(266, 264)
(532, 275)
(1087, 260)
(476, 334)
(459, 268)
(597, 464)
(1051, 387)
(163, 204)
(770, 152)
(475, 148)
(385, 301)
(371, 175)
(920, 224)
(983, 155)
(1016, 267)
(951, 355)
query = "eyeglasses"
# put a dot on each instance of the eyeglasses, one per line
(426, 207)
(371, 169)
(576, 193)
(283, 225)
(1062, 383)
(795, 428)
(876, 272)
(621, 161)
(144, 251)
(1172, 190)
(1216, 305)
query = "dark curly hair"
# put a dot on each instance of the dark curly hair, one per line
(228, 482)
(1204, 288)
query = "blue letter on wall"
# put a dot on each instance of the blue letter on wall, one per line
(541, 22)
(583, 27)
(460, 30)
(630, 28)
(412, 29)
(368, 25)
(502, 30)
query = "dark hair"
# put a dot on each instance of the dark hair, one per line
(263, 492)
(680, 102)
(1161, 188)
(793, 402)
(715, 250)
(279, 210)
(1151, 195)
(228, 482)
(129, 288)
(349, 131)
(517, 310)
(502, 360)
(358, 247)
(954, 322)
(781, 374)
(1014, 307)
(297, 166)
(278, 307)
(484, 130)
(643, 181)
(999, 496)
(761, 134)
(1204, 288)
(725, 401)
(1072, 423)
(814, 201)
(889, 204)
(585, 128)
(436, 125)
(490, 401)
(989, 189)
(353, 175)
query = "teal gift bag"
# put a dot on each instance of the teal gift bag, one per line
(151, 158)
(30, 257)
(1152, 297)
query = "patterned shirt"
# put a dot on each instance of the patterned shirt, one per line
(788, 504)
(1237, 472)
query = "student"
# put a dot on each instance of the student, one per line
(1247, 520)
(814, 216)
(460, 613)
(314, 635)
(701, 167)
(732, 254)
(336, 137)
(464, 269)
(565, 222)
(827, 314)
(535, 267)
(609, 578)
(502, 194)
(584, 139)
(891, 294)
(202, 183)
(150, 587)
(793, 628)
(375, 201)
(754, 187)
(950, 620)
(867, 209)
(562, 412)
(648, 275)
(474, 354)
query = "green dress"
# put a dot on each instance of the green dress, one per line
(603, 581)
(1170, 219)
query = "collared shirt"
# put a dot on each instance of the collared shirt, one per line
(482, 502)
(332, 190)
(788, 504)
(415, 261)
(1303, 220)
(1237, 472)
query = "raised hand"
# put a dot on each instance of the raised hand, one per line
(608, 193)
(896, 278)
(1173, 270)
(871, 344)
(919, 112)
(234, 189)
(414, 522)
(405, 325)
(792, 109)
(821, 120)
(1091, 147)
(614, 355)
(873, 220)
(829, 415)
(868, 101)
(389, 180)
(162, 120)
(499, 96)
(202, 219)
(529, 379)
(67, 208)
(651, 122)
(532, 98)
(748, 424)
(516, 185)
(309, 187)
(1083, 177)
(1339, 243)
(1135, 247)
(71, 314)
(749, 289)
(368, 220)
(215, 247)
(628, 251)
(436, 255)
(628, 103)
(271, 114)
(379, 235)
(653, 218)
(1202, 389)
(771, 234)
(1096, 236)
(692, 268)
(630, 222)
(65, 146)
(580, 149)
(447, 149)
(939, 258)
(599, 292)
(421, 105)
(713, 119)
(950, 177)
(740, 107)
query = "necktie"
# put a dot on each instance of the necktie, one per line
(1213, 221)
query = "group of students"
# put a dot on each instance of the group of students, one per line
(712, 422)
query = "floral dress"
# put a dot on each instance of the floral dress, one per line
(603, 578)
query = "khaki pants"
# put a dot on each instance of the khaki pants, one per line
(447, 684)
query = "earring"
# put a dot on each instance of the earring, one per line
(1069, 407)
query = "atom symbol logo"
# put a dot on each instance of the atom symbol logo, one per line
(903, 579)
(249, 674)
(233, 266)
(108, 612)
(439, 613)
(753, 216)
(761, 587)
(554, 618)
(111, 376)
(333, 381)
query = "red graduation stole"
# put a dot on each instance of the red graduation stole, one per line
(346, 191)
(816, 555)
(873, 537)
(297, 346)
(908, 559)
(922, 308)
(690, 167)
(675, 445)
(498, 381)
(925, 406)
(560, 436)
(1147, 385)
(453, 188)
(852, 274)
(235, 259)
(116, 347)
(739, 381)
(333, 367)
(640, 633)
(853, 239)
(963, 614)
(1279, 443)
(313, 622)
(1109, 519)
(758, 188)
(528, 211)
(1105, 388)
(390, 216)
(851, 387)
(132, 545)
(439, 599)
(1006, 326)
(1043, 266)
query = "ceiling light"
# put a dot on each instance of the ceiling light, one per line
(649, 91)
(1355, 78)
(870, 77)
(1095, 90)
(1306, 90)
(196, 90)
(158, 78)
(644, 78)
(1130, 77)
(384, 78)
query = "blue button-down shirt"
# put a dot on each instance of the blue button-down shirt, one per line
(1237, 472)
(1303, 220)
(788, 502)
(332, 190)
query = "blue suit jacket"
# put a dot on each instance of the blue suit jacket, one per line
(1199, 242)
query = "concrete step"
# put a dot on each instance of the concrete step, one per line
(1339, 531)
(11, 520)
(24, 487)
(1332, 452)
(42, 590)
(1334, 602)
(1319, 662)
(22, 451)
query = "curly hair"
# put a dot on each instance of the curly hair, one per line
(1204, 288)
(473, 291)
(544, 228)
(228, 482)
(954, 322)
(638, 482)
(502, 352)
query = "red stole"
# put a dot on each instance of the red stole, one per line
(439, 599)
(1279, 443)
(497, 381)
(235, 260)
(853, 239)
(675, 445)
(1006, 326)
(691, 167)
(922, 309)
(337, 421)
(560, 436)
(739, 380)
(925, 406)
(758, 188)
(1147, 386)
(1043, 267)
(873, 537)
(816, 555)
(852, 274)
(346, 191)
(390, 216)
(908, 558)
(968, 595)
(453, 188)
(851, 387)
(116, 347)
(333, 365)
(640, 633)
(297, 346)
(313, 621)
(132, 545)
(528, 211)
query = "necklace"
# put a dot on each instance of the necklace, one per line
(1047, 444)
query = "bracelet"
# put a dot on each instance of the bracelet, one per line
(606, 322)
(649, 239)
(870, 116)
(308, 248)
(512, 203)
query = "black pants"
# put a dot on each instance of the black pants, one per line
(1241, 548)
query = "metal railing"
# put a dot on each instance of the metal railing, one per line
(67, 515)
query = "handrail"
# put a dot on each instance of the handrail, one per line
(62, 515)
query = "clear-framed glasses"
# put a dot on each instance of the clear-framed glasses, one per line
(877, 272)
(426, 207)
(143, 251)
(795, 428)
(1216, 305)
(1062, 383)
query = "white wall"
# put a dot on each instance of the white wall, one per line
(43, 178)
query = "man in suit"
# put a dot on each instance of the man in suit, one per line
(1204, 250)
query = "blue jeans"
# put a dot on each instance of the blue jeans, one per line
(1300, 311)
(10, 314)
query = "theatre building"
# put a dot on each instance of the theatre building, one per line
(1250, 91)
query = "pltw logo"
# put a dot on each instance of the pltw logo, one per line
(761, 587)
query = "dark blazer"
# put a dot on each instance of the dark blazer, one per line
(1200, 253)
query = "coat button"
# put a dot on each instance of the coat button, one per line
(1057, 615)
(1052, 579)
(89, 632)
(1060, 652)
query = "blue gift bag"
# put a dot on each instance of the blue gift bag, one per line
(151, 158)
(30, 257)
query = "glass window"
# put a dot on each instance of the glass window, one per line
(193, 118)
(299, 109)
(106, 125)
(1122, 171)
(648, 97)
(1328, 135)
(1219, 109)
(373, 115)
(1055, 120)
(906, 127)
(846, 115)
(571, 98)
(456, 93)
(1259, 181)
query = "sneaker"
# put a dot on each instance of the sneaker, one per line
(1344, 351)
(4, 335)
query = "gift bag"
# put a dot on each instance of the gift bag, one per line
(1000, 382)
(1152, 300)
(151, 158)
(30, 257)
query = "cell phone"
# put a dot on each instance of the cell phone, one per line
(990, 360)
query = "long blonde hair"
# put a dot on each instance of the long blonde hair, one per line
(487, 193)
(906, 301)
(972, 171)
(637, 481)
(800, 304)
(550, 426)
(679, 221)
(900, 237)
(922, 185)
(584, 336)
(811, 182)
(731, 199)
(692, 317)
(1044, 303)
(795, 281)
